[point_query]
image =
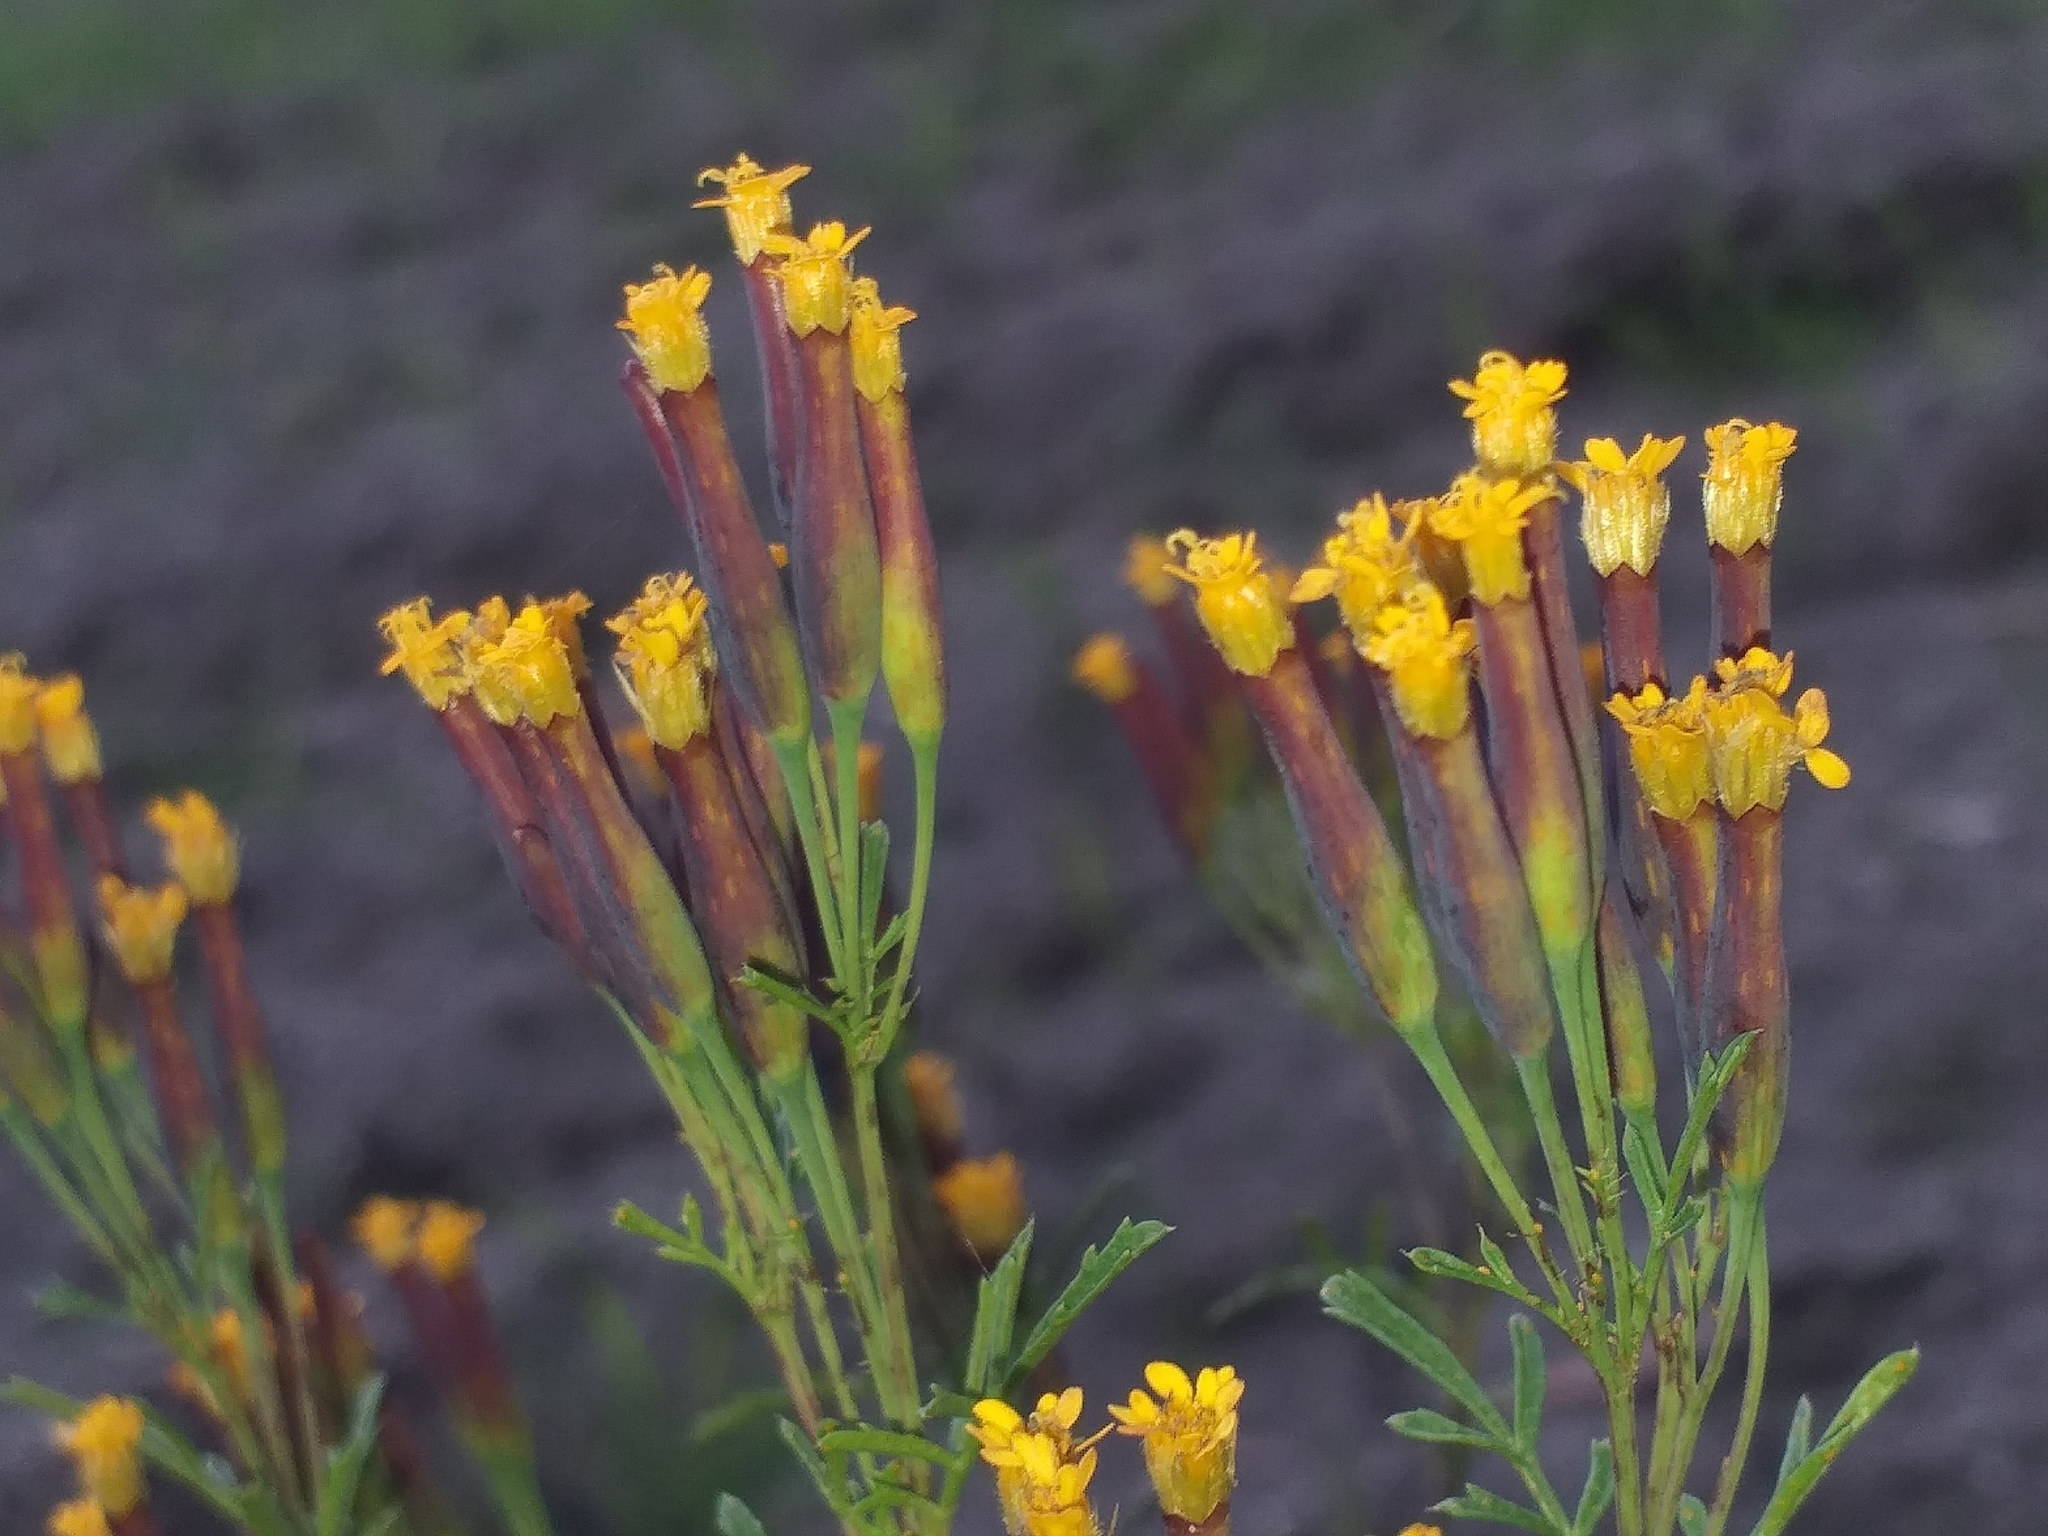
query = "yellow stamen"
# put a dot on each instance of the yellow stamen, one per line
(1627, 503)
(984, 1200)
(1667, 744)
(102, 1442)
(70, 745)
(665, 660)
(425, 650)
(1514, 429)
(1427, 659)
(387, 1230)
(1103, 667)
(876, 341)
(756, 202)
(1365, 564)
(665, 323)
(1745, 482)
(1486, 518)
(817, 282)
(447, 1239)
(1234, 598)
(198, 847)
(141, 926)
(1190, 1436)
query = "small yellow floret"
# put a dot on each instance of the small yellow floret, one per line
(1365, 565)
(665, 660)
(524, 674)
(80, 1517)
(1148, 570)
(816, 279)
(387, 1230)
(18, 693)
(198, 847)
(1427, 659)
(1190, 1436)
(1486, 519)
(1627, 505)
(102, 1442)
(1667, 745)
(1234, 598)
(1745, 482)
(1419, 1529)
(561, 617)
(929, 1078)
(1042, 1475)
(425, 650)
(756, 202)
(70, 745)
(1514, 429)
(779, 553)
(665, 323)
(446, 1239)
(1754, 743)
(1103, 666)
(876, 341)
(983, 1197)
(141, 926)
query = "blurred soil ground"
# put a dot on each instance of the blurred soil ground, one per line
(300, 317)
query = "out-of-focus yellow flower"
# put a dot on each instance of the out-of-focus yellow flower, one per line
(876, 341)
(18, 693)
(1514, 429)
(70, 745)
(141, 926)
(446, 1238)
(929, 1078)
(1103, 667)
(198, 847)
(1419, 1529)
(1190, 1436)
(817, 283)
(1754, 743)
(102, 1441)
(1486, 518)
(1234, 598)
(1365, 564)
(80, 1517)
(1627, 505)
(1427, 660)
(756, 201)
(1042, 1474)
(984, 1199)
(1148, 570)
(1667, 745)
(387, 1230)
(664, 321)
(1745, 483)
(523, 675)
(665, 660)
(425, 650)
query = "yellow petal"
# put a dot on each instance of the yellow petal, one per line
(1169, 1381)
(1827, 768)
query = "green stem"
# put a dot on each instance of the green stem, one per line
(817, 1152)
(924, 757)
(898, 1366)
(1752, 1385)
(1534, 1072)
(21, 1130)
(277, 1230)
(794, 760)
(846, 721)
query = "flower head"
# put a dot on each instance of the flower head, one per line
(1148, 570)
(1514, 429)
(102, 1441)
(387, 1230)
(983, 1197)
(1365, 565)
(70, 745)
(1486, 519)
(1745, 482)
(18, 693)
(524, 674)
(1190, 1436)
(876, 342)
(198, 847)
(1042, 1472)
(665, 660)
(1234, 598)
(756, 202)
(561, 617)
(816, 278)
(664, 321)
(425, 650)
(1627, 503)
(80, 1517)
(1667, 746)
(446, 1238)
(1754, 743)
(141, 926)
(1427, 658)
(1103, 667)
(929, 1078)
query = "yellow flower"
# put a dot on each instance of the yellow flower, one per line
(665, 323)
(1745, 482)
(387, 1230)
(198, 847)
(1365, 565)
(1190, 1436)
(425, 650)
(524, 674)
(1427, 659)
(1234, 598)
(81, 1517)
(983, 1197)
(1754, 744)
(1667, 745)
(929, 1078)
(561, 617)
(17, 704)
(70, 745)
(1042, 1474)
(756, 202)
(665, 660)
(1627, 504)
(141, 926)
(447, 1238)
(1419, 1529)
(1103, 667)
(1486, 518)
(1148, 570)
(877, 346)
(817, 283)
(102, 1442)
(1514, 429)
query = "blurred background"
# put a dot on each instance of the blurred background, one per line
(307, 308)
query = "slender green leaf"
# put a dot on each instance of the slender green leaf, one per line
(784, 991)
(1353, 1298)
(995, 1316)
(1798, 1439)
(864, 1440)
(1527, 1346)
(887, 1495)
(628, 1217)
(1880, 1384)
(1599, 1490)
(1716, 1072)
(892, 935)
(736, 1413)
(1692, 1516)
(874, 873)
(945, 1403)
(1097, 1270)
(1439, 1429)
(67, 1302)
(1476, 1503)
(384, 1524)
(335, 1512)
(733, 1518)
(1488, 1276)
(831, 1489)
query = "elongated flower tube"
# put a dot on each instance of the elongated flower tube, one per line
(756, 204)
(834, 553)
(676, 401)
(54, 941)
(141, 930)
(1174, 769)
(913, 649)
(1631, 1047)
(1355, 869)
(1742, 491)
(1190, 1437)
(103, 1443)
(486, 1403)
(71, 750)
(1510, 405)
(1471, 883)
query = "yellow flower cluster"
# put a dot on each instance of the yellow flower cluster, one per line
(141, 926)
(1509, 403)
(877, 348)
(1190, 1435)
(198, 846)
(756, 201)
(1234, 598)
(1486, 518)
(817, 284)
(102, 1443)
(664, 321)
(983, 1197)
(1427, 659)
(1366, 564)
(1626, 504)
(665, 660)
(1745, 482)
(1103, 667)
(70, 744)
(1042, 1472)
(436, 1233)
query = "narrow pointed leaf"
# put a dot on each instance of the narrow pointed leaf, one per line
(995, 1316)
(1427, 1424)
(1879, 1386)
(1527, 1345)
(1598, 1492)
(1436, 1261)
(1475, 1503)
(1353, 1298)
(733, 1518)
(336, 1510)
(1798, 1439)
(863, 1440)
(1097, 1270)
